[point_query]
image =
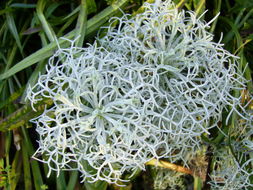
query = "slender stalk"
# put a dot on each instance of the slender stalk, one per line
(168, 165)
(81, 25)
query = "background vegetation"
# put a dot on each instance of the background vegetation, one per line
(28, 29)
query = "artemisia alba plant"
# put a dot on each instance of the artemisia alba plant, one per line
(147, 90)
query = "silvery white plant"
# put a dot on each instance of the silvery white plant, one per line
(99, 115)
(229, 173)
(196, 75)
(148, 90)
(166, 179)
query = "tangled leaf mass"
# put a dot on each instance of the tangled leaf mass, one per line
(148, 89)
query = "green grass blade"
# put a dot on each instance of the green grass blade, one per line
(23, 5)
(30, 60)
(52, 7)
(247, 16)
(2, 56)
(46, 27)
(4, 11)
(26, 166)
(91, 6)
(234, 31)
(247, 72)
(216, 11)
(72, 180)
(15, 170)
(3, 29)
(200, 6)
(81, 25)
(92, 25)
(8, 141)
(4, 91)
(60, 181)
(66, 25)
(11, 57)
(100, 19)
(13, 29)
(74, 12)
(37, 178)
(181, 3)
(198, 183)
(239, 16)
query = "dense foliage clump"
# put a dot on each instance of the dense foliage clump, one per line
(147, 90)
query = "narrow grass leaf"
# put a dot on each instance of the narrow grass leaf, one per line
(234, 31)
(91, 6)
(200, 7)
(247, 16)
(52, 7)
(72, 180)
(23, 5)
(30, 60)
(26, 167)
(98, 20)
(13, 29)
(197, 183)
(81, 25)
(216, 11)
(66, 25)
(8, 141)
(37, 178)
(239, 16)
(15, 170)
(247, 72)
(60, 181)
(46, 27)
(181, 3)
(4, 11)
(75, 11)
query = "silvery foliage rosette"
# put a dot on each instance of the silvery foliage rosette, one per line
(100, 114)
(148, 90)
